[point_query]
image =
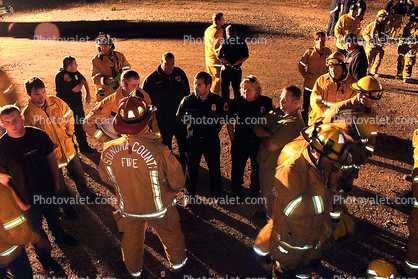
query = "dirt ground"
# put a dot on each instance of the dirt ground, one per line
(218, 237)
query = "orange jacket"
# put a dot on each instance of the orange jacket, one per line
(15, 231)
(103, 66)
(213, 40)
(58, 122)
(8, 95)
(326, 93)
(346, 24)
(372, 36)
(301, 222)
(105, 110)
(145, 174)
(312, 66)
(363, 147)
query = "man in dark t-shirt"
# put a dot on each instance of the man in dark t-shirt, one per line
(233, 53)
(26, 156)
(68, 84)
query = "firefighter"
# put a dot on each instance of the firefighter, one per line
(410, 265)
(398, 11)
(107, 66)
(407, 49)
(356, 116)
(376, 36)
(312, 66)
(146, 176)
(348, 23)
(214, 35)
(331, 88)
(8, 92)
(15, 233)
(302, 221)
(99, 122)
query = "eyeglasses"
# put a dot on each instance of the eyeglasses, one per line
(375, 95)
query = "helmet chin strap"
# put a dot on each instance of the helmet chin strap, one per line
(343, 75)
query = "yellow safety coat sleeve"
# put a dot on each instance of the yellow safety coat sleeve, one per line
(15, 231)
(312, 65)
(57, 120)
(102, 112)
(145, 179)
(102, 68)
(213, 40)
(316, 97)
(108, 108)
(172, 170)
(301, 190)
(345, 25)
(8, 94)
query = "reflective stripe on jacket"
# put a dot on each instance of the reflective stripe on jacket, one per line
(15, 231)
(346, 24)
(57, 120)
(326, 93)
(102, 66)
(146, 175)
(312, 66)
(105, 111)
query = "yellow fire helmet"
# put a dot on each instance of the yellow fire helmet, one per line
(380, 269)
(370, 87)
(329, 140)
(382, 13)
(357, 124)
(336, 58)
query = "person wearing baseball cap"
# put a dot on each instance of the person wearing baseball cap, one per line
(147, 177)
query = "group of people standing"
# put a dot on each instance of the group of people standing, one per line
(300, 158)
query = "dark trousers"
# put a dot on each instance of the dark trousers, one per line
(51, 213)
(306, 105)
(333, 18)
(231, 76)
(75, 169)
(20, 268)
(240, 151)
(176, 128)
(78, 126)
(211, 149)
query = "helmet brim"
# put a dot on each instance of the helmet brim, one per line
(123, 127)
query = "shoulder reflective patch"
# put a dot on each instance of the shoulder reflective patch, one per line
(178, 78)
(226, 107)
(67, 77)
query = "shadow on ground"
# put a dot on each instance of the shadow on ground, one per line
(88, 30)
